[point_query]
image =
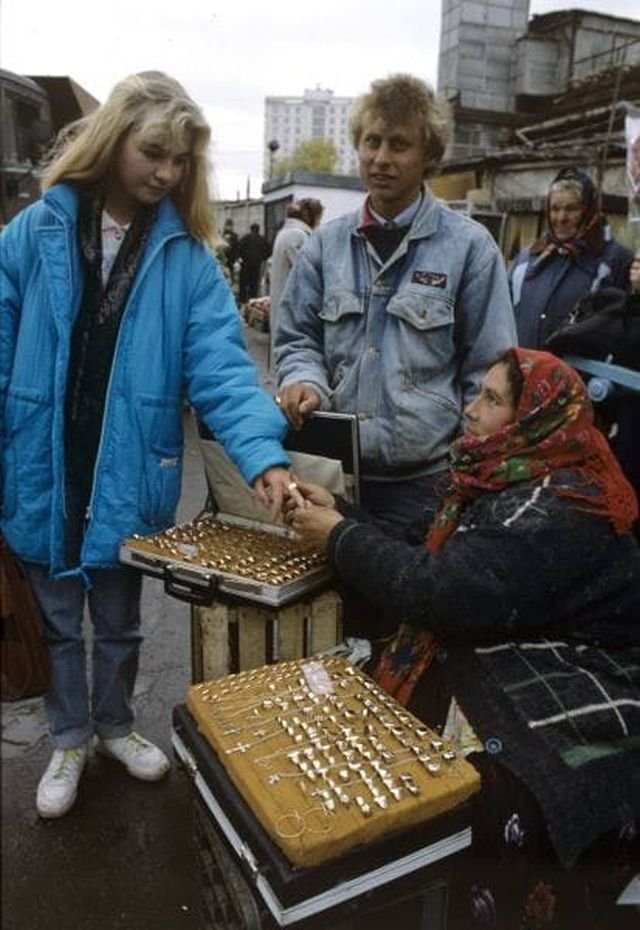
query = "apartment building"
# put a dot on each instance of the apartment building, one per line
(318, 114)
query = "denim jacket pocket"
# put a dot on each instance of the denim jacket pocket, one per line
(340, 304)
(422, 311)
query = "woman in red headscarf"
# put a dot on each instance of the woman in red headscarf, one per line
(521, 642)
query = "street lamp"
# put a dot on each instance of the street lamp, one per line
(273, 147)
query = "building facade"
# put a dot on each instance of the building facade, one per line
(529, 98)
(318, 114)
(500, 71)
(338, 194)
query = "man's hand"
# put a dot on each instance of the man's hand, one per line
(271, 488)
(298, 401)
(634, 275)
(313, 524)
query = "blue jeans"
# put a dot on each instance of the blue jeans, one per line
(114, 608)
(403, 502)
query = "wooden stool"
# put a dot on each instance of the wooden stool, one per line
(232, 635)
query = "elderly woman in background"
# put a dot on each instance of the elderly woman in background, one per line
(576, 256)
(521, 643)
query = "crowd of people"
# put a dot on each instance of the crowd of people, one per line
(496, 525)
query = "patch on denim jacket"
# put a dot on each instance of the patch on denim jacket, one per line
(430, 278)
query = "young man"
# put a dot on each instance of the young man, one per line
(394, 313)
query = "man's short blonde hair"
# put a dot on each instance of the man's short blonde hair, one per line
(403, 98)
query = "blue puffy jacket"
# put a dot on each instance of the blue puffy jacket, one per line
(180, 332)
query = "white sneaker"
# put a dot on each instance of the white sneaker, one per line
(140, 757)
(58, 786)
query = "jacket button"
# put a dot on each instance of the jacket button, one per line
(493, 746)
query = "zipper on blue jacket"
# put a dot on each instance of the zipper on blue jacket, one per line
(136, 285)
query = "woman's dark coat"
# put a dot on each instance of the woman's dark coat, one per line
(537, 606)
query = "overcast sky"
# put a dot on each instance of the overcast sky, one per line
(231, 55)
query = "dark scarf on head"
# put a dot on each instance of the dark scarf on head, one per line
(96, 327)
(553, 431)
(590, 236)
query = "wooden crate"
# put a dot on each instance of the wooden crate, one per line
(232, 635)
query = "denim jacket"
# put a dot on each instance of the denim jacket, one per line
(401, 344)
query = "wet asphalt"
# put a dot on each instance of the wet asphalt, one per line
(124, 857)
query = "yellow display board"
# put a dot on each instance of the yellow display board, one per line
(324, 758)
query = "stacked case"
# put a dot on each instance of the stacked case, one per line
(327, 792)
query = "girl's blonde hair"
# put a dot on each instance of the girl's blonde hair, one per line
(153, 101)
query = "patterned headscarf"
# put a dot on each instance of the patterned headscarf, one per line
(552, 430)
(590, 235)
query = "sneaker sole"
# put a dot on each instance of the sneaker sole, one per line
(140, 776)
(53, 815)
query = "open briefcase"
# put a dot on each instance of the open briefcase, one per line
(233, 549)
(371, 861)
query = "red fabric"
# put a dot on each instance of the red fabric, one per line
(553, 430)
(404, 660)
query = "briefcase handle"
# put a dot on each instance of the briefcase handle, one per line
(190, 586)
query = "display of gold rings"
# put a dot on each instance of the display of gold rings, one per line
(324, 758)
(253, 554)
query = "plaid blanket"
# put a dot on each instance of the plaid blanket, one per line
(583, 701)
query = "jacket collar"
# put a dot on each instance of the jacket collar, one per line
(293, 223)
(63, 199)
(424, 224)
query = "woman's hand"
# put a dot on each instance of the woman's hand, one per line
(272, 487)
(306, 493)
(313, 524)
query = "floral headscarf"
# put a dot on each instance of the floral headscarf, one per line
(590, 235)
(552, 430)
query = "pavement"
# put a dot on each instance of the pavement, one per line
(124, 857)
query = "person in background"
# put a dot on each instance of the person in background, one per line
(605, 327)
(253, 250)
(394, 312)
(112, 305)
(302, 218)
(230, 237)
(520, 642)
(575, 256)
(634, 275)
